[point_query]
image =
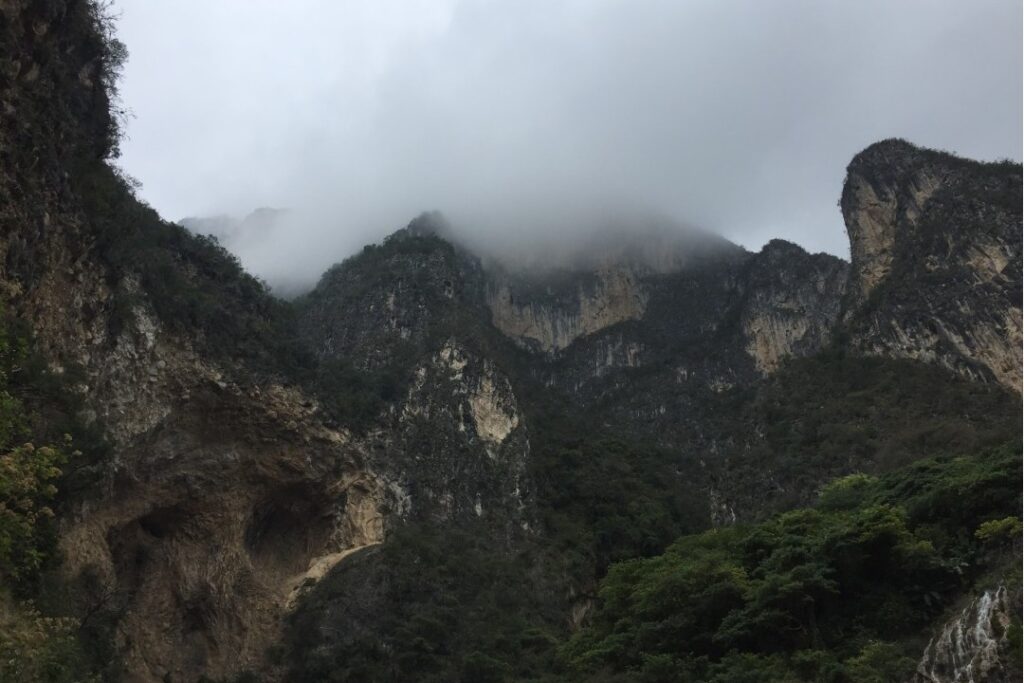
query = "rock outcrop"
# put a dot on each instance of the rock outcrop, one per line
(204, 572)
(412, 309)
(224, 488)
(254, 450)
(972, 646)
(551, 314)
(792, 303)
(935, 243)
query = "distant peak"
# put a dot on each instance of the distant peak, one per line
(428, 224)
(781, 245)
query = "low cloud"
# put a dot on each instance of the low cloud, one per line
(537, 120)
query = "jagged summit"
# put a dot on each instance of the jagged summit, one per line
(935, 246)
(895, 155)
(427, 224)
(426, 466)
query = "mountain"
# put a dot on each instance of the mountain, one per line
(257, 240)
(641, 462)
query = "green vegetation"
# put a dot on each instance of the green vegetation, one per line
(26, 488)
(462, 603)
(846, 589)
(27, 475)
(193, 284)
(431, 604)
(602, 498)
(843, 591)
(39, 649)
(823, 417)
(35, 646)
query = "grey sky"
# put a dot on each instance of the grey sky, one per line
(526, 117)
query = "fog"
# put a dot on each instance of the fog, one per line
(535, 120)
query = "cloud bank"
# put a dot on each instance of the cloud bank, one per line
(538, 118)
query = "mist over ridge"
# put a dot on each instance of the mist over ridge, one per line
(264, 243)
(521, 122)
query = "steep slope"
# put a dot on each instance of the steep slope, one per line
(718, 318)
(408, 317)
(935, 242)
(506, 434)
(845, 590)
(176, 355)
(727, 374)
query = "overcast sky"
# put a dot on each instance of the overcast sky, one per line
(528, 116)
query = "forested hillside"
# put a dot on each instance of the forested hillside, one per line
(686, 462)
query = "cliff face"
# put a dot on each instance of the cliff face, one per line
(936, 260)
(191, 560)
(448, 425)
(792, 303)
(587, 304)
(224, 487)
(718, 319)
(256, 446)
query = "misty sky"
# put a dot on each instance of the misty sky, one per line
(530, 117)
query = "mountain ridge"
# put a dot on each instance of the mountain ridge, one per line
(421, 403)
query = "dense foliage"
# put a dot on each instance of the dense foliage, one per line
(35, 646)
(27, 473)
(192, 283)
(825, 416)
(429, 605)
(838, 592)
(845, 588)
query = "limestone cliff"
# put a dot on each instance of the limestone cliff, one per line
(255, 446)
(590, 304)
(224, 486)
(450, 429)
(792, 303)
(935, 243)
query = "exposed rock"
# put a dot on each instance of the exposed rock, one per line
(792, 303)
(935, 243)
(493, 408)
(191, 559)
(458, 438)
(554, 320)
(971, 647)
(876, 212)
(229, 491)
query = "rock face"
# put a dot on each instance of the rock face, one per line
(972, 646)
(413, 309)
(235, 481)
(538, 316)
(224, 487)
(391, 299)
(935, 243)
(192, 560)
(458, 443)
(792, 303)
(716, 319)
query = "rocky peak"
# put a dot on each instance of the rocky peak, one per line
(401, 294)
(427, 224)
(235, 478)
(791, 303)
(547, 301)
(886, 188)
(935, 245)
